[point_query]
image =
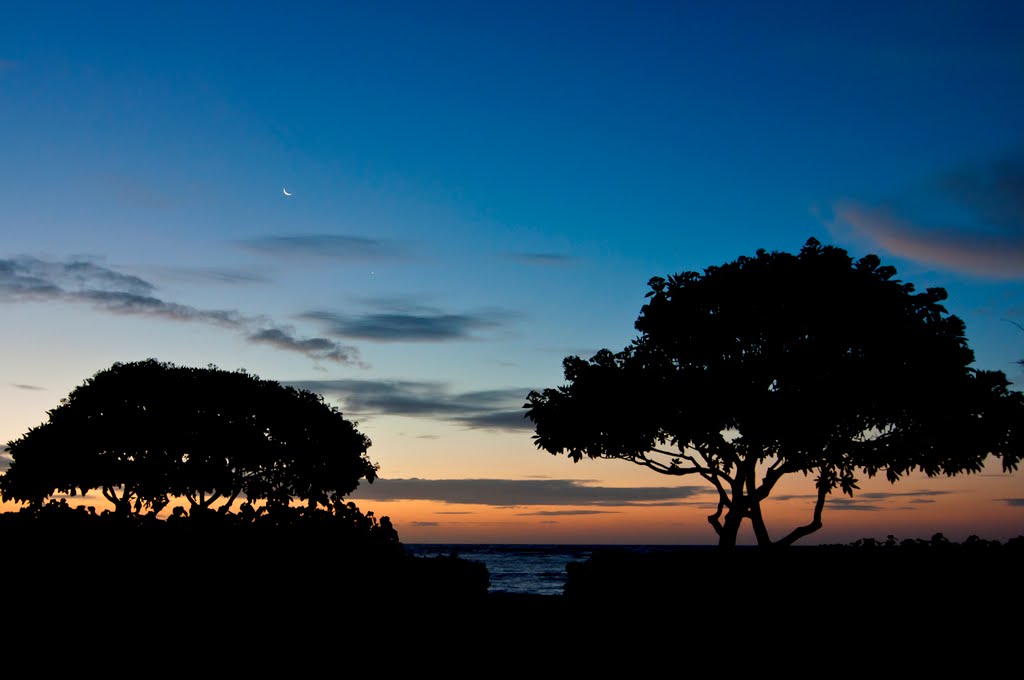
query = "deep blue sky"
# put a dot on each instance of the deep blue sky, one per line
(479, 189)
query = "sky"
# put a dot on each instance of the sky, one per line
(479, 190)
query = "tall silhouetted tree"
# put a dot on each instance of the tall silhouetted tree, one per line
(147, 431)
(775, 364)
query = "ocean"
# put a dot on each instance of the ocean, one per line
(530, 569)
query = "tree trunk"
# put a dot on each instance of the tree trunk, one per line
(729, 530)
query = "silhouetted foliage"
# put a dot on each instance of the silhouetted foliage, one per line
(867, 587)
(775, 364)
(174, 449)
(148, 431)
(275, 570)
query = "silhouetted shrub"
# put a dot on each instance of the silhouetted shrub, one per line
(924, 581)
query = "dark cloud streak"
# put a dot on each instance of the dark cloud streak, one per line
(331, 246)
(520, 492)
(31, 279)
(497, 420)
(563, 513)
(318, 347)
(995, 193)
(882, 495)
(851, 504)
(212, 275)
(490, 409)
(543, 259)
(118, 302)
(407, 326)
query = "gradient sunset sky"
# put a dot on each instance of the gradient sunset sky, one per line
(480, 189)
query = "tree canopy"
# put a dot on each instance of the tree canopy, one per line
(781, 363)
(148, 431)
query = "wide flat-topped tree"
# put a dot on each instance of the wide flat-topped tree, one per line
(145, 432)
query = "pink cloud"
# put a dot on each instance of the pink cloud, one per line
(990, 254)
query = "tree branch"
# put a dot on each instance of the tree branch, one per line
(799, 532)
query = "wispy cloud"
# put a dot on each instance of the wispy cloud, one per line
(402, 323)
(133, 191)
(872, 501)
(321, 348)
(918, 493)
(853, 504)
(560, 513)
(210, 275)
(970, 220)
(30, 277)
(994, 193)
(869, 501)
(511, 420)
(27, 387)
(119, 302)
(543, 259)
(83, 282)
(522, 492)
(499, 409)
(332, 246)
(1013, 502)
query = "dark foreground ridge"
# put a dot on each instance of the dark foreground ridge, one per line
(935, 573)
(165, 568)
(169, 572)
(297, 598)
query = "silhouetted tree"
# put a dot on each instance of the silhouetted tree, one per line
(147, 431)
(777, 364)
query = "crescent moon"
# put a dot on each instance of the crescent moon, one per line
(285, 192)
